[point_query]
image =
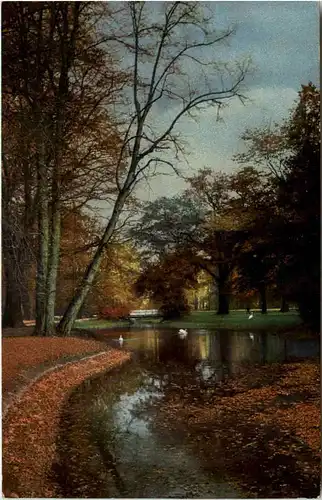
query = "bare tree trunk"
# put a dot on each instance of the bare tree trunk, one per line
(223, 302)
(12, 313)
(66, 323)
(263, 300)
(43, 244)
(26, 305)
(284, 306)
(68, 43)
(223, 296)
(53, 264)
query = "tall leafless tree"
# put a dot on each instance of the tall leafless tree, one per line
(171, 50)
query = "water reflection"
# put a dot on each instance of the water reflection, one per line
(149, 461)
(215, 355)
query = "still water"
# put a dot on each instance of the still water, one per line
(120, 409)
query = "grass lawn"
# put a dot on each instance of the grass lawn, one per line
(236, 320)
(99, 323)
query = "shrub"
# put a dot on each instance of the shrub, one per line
(175, 306)
(115, 312)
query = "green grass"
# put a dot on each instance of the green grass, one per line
(235, 320)
(238, 320)
(99, 323)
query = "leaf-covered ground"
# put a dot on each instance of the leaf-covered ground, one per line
(21, 353)
(31, 424)
(262, 427)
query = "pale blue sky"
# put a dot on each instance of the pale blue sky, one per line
(283, 40)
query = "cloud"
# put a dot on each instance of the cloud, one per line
(283, 41)
(212, 143)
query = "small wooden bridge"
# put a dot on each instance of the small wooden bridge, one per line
(145, 314)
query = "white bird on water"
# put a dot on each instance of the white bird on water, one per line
(183, 333)
(121, 340)
(251, 316)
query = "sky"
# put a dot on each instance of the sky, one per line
(282, 39)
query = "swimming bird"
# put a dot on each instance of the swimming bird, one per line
(251, 316)
(183, 333)
(121, 340)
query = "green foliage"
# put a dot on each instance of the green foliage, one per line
(236, 320)
(300, 198)
(287, 237)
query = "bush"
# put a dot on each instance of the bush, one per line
(174, 306)
(115, 312)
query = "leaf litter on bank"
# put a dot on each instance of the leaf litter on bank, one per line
(246, 427)
(30, 426)
(21, 353)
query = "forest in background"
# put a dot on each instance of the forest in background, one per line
(78, 112)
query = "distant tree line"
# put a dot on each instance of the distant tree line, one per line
(254, 230)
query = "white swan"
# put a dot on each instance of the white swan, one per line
(251, 316)
(182, 333)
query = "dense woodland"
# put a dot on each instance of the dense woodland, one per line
(81, 83)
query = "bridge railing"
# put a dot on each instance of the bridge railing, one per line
(142, 313)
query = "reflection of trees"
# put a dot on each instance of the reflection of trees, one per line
(272, 348)
(173, 348)
(204, 346)
(214, 352)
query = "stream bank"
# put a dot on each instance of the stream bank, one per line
(261, 427)
(212, 416)
(30, 426)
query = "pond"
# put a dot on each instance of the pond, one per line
(115, 418)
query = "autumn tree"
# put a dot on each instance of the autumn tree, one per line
(299, 233)
(119, 269)
(165, 281)
(289, 235)
(58, 83)
(162, 49)
(254, 205)
(206, 222)
(17, 214)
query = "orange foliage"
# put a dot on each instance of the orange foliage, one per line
(265, 412)
(20, 353)
(117, 312)
(301, 419)
(30, 427)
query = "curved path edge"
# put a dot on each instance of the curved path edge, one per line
(13, 397)
(30, 422)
